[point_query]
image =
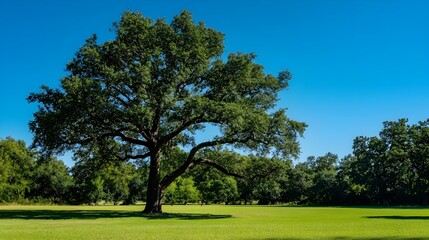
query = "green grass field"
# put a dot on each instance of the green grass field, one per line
(213, 222)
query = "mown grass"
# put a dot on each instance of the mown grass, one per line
(213, 222)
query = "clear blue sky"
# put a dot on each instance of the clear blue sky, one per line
(355, 63)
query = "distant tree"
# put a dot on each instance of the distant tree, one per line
(137, 185)
(419, 158)
(218, 189)
(50, 180)
(268, 191)
(299, 184)
(262, 178)
(108, 182)
(16, 163)
(182, 191)
(391, 167)
(323, 188)
(400, 177)
(116, 179)
(87, 186)
(371, 169)
(154, 87)
(348, 191)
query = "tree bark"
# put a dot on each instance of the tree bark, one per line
(154, 189)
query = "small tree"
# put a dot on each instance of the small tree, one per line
(111, 182)
(50, 180)
(323, 188)
(16, 163)
(183, 191)
(156, 86)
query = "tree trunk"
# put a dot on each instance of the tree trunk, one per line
(154, 190)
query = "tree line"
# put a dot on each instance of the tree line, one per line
(390, 169)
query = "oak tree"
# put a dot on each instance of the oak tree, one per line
(156, 86)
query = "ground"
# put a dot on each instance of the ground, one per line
(213, 222)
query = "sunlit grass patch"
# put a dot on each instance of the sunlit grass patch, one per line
(213, 222)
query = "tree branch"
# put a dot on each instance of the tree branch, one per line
(156, 120)
(138, 156)
(215, 165)
(169, 178)
(121, 93)
(129, 139)
(185, 125)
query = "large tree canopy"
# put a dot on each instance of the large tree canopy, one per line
(157, 86)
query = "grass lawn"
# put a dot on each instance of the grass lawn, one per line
(213, 222)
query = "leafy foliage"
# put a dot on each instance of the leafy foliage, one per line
(50, 180)
(391, 168)
(16, 162)
(156, 86)
(113, 182)
(182, 191)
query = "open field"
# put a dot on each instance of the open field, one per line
(213, 222)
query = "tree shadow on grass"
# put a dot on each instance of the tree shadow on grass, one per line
(351, 206)
(96, 214)
(357, 238)
(400, 217)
